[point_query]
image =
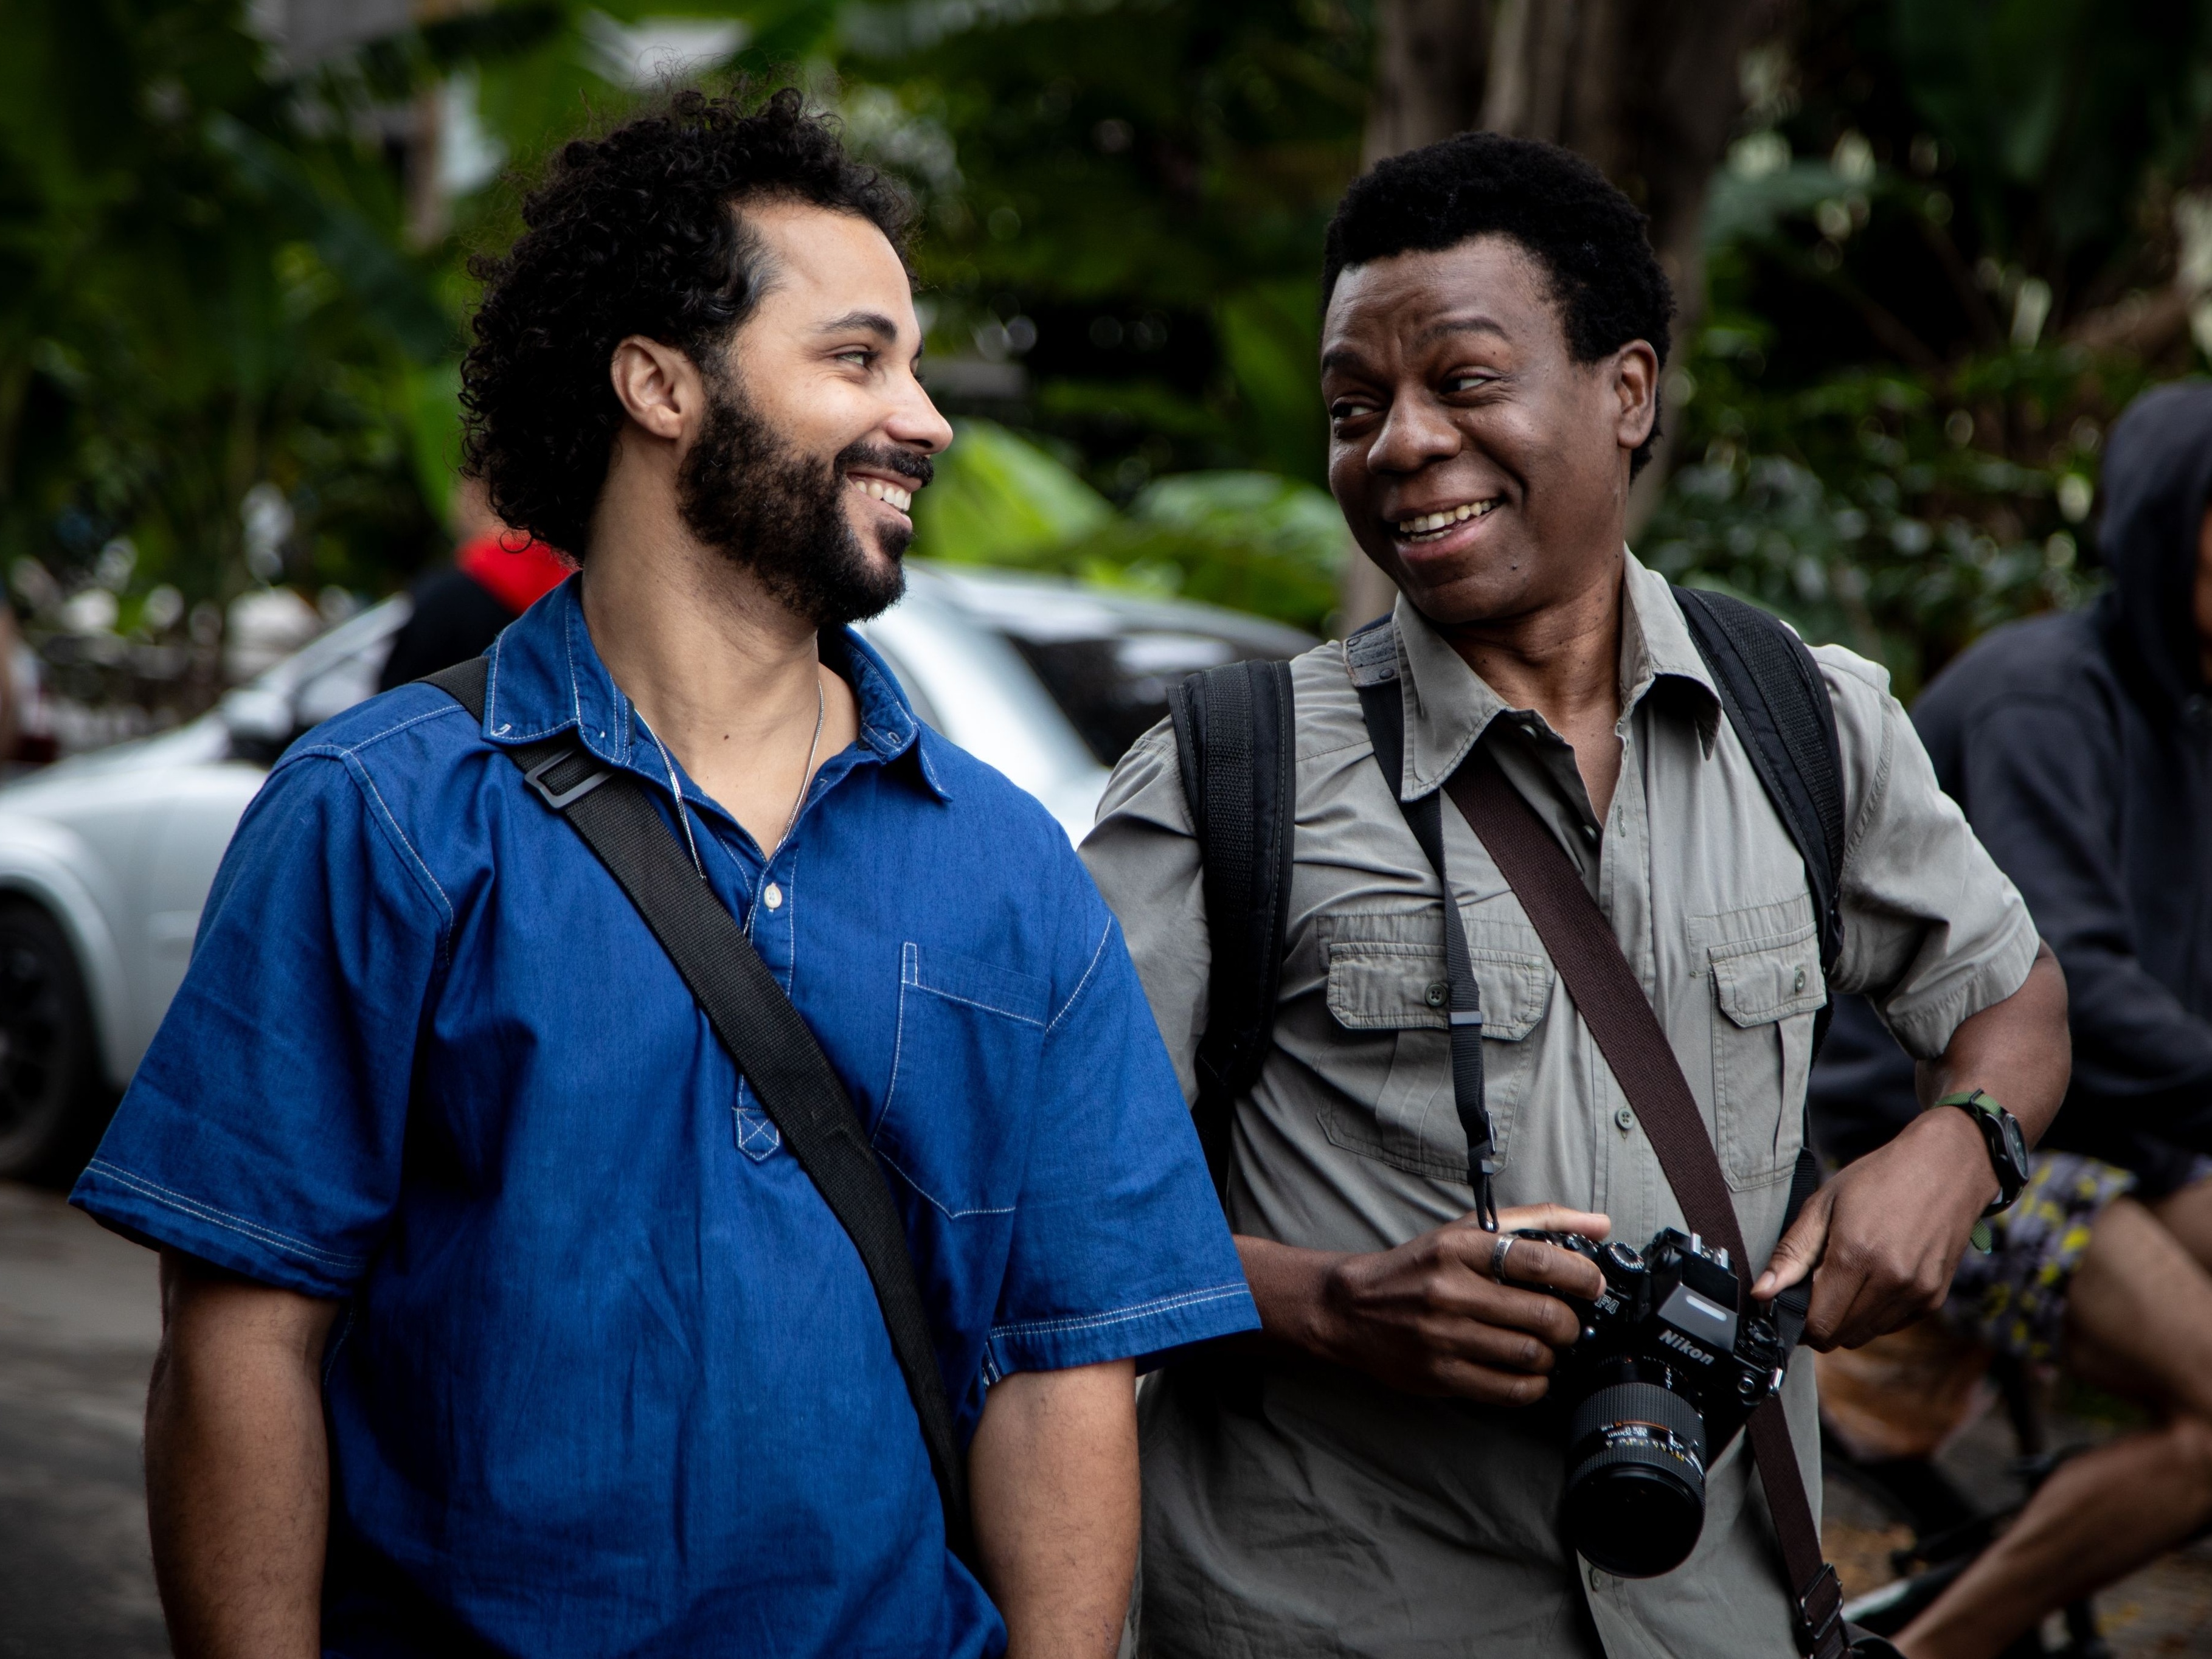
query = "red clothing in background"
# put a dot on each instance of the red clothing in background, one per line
(517, 577)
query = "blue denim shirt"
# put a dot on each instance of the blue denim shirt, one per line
(610, 1378)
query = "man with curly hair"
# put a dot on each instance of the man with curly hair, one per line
(498, 1317)
(1377, 1475)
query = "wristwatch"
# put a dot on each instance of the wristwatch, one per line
(2008, 1152)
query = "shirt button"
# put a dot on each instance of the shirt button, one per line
(1597, 1579)
(772, 897)
(1626, 1118)
(1435, 994)
(1801, 978)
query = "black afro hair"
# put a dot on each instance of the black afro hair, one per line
(636, 232)
(1587, 236)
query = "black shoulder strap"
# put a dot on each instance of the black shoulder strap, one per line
(1236, 742)
(1774, 695)
(1370, 660)
(768, 1038)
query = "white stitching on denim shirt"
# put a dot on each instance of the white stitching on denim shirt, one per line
(908, 953)
(1096, 956)
(790, 912)
(1121, 1316)
(576, 691)
(936, 1203)
(450, 708)
(970, 1002)
(445, 904)
(197, 1211)
(683, 812)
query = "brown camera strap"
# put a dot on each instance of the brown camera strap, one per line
(1612, 1003)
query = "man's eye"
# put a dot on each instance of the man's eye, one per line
(860, 354)
(1350, 409)
(1467, 382)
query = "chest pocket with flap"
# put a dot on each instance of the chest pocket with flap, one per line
(955, 1120)
(1767, 986)
(1386, 984)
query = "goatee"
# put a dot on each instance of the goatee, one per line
(781, 516)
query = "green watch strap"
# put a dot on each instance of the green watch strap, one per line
(1974, 1100)
(1991, 1112)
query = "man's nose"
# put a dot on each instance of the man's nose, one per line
(915, 423)
(1415, 433)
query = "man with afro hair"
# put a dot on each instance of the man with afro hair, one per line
(1382, 1472)
(506, 1311)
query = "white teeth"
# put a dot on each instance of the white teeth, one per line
(890, 493)
(1428, 525)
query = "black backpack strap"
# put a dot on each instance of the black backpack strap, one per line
(1775, 698)
(767, 1038)
(1237, 744)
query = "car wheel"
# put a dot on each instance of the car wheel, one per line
(49, 1075)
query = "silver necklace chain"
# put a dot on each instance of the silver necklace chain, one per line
(821, 709)
(683, 812)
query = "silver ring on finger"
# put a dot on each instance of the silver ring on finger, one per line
(1497, 1255)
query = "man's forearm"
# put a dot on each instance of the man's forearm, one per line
(237, 1467)
(1289, 1286)
(1053, 1479)
(2018, 1051)
(1886, 1234)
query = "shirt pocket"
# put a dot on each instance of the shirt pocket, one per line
(1767, 989)
(963, 1077)
(1389, 992)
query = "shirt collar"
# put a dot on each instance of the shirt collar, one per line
(1449, 706)
(546, 677)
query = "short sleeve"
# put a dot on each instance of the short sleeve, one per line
(263, 1131)
(1144, 859)
(1119, 1247)
(1934, 932)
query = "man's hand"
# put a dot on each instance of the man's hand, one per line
(1883, 1238)
(1886, 1235)
(1428, 1317)
(1053, 1479)
(237, 1469)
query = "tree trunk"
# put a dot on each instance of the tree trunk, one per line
(1647, 89)
(1430, 64)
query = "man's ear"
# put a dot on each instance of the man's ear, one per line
(1636, 387)
(659, 387)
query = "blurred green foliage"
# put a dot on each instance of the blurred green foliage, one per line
(1253, 541)
(217, 273)
(1952, 243)
(1955, 236)
(198, 296)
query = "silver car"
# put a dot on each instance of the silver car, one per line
(106, 859)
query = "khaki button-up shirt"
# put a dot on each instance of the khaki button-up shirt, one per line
(1320, 1513)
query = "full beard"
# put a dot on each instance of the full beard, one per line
(780, 515)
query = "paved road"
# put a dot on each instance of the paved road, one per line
(79, 1318)
(78, 1322)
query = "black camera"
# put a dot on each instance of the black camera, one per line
(1669, 1364)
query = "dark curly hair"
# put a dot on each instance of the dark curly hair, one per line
(1587, 236)
(636, 232)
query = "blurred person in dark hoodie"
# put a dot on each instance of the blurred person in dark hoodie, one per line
(2079, 747)
(496, 575)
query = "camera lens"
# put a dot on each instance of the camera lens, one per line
(1636, 1479)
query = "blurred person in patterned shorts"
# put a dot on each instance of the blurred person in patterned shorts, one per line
(2079, 747)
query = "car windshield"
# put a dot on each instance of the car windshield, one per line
(1109, 659)
(1114, 687)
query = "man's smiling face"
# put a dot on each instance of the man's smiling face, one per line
(817, 432)
(1481, 466)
